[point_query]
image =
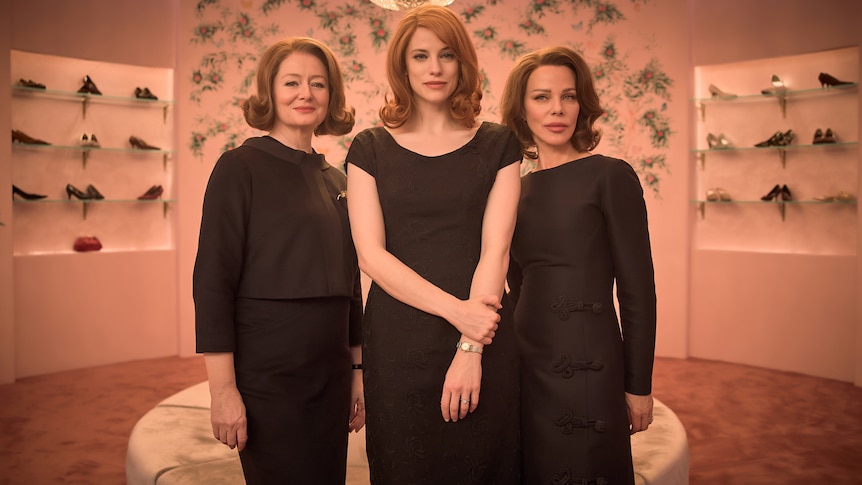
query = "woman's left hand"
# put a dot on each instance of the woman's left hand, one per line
(461, 387)
(357, 403)
(640, 412)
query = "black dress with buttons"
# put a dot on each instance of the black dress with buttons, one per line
(581, 227)
(276, 282)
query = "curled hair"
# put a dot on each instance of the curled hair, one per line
(464, 103)
(259, 109)
(585, 137)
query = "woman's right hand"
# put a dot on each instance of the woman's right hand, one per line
(477, 318)
(227, 413)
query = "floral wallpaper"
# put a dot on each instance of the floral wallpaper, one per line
(230, 35)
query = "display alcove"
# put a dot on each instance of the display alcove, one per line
(62, 116)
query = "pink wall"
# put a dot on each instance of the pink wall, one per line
(7, 299)
(684, 33)
(787, 311)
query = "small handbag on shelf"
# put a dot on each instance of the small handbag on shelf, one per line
(87, 243)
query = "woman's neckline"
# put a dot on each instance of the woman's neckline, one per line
(564, 164)
(456, 150)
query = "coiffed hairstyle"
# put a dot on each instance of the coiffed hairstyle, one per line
(465, 101)
(585, 137)
(259, 109)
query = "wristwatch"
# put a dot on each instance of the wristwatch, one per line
(468, 347)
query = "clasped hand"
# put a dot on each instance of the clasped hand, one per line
(477, 318)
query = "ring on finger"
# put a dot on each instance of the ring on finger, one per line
(464, 401)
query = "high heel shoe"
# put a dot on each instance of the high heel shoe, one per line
(778, 88)
(89, 87)
(829, 136)
(145, 93)
(21, 137)
(718, 93)
(719, 142)
(26, 195)
(772, 193)
(138, 143)
(154, 192)
(71, 190)
(828, 80)
(841, 196)
(717, 195)
(94, 193)
(784, 193)
(29, 83)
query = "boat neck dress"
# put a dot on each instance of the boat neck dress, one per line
(276, 282)
(581, 227)
(432, 210)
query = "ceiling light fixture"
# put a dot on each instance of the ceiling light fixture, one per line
(408, 4)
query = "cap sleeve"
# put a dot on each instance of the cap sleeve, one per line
(512, 152)
(361, 153)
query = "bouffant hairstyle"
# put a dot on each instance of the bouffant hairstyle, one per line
(465, 101)
(585, 137)
(259, 109)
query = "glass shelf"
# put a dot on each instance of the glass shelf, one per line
(782, 98)
(85, 203)
(85, 150)
(701, 204)
(782, 150)
(86, 98)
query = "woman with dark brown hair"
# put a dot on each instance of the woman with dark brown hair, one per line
(432, 204)
(582, 227)
(276, 282)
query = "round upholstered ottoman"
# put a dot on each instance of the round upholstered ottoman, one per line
(173, 445)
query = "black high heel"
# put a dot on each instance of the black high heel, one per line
(785, 193)
(818, 137)
(773, 193)
(71, 190)
(94, 193)
(26, 195)
(153, 193)
(89, 87)
(828, 80)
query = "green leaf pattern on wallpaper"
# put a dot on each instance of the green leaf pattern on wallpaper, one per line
(231, 35)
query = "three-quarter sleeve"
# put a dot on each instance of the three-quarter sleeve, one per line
(626, 216)
(219, 261)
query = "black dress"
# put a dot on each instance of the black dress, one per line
(581, 226)
(433, 208)
(276, 282)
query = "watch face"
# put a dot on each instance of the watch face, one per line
(465, 347)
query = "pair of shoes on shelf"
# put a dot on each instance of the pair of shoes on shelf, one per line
(26, 195)
(841, 196)
(718, 93)
(29, 83)
(828, 80)
(779, 139)
(820, 137)
(92, 193)
(138, 143)
(719, 142)
(717, 195)
(90, 142)
(21, 137)
(152, 193)
(89, 87)
(778, 88)
(778, 192)
(145, 93)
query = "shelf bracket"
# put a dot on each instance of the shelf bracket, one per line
(781, 209)
(164, 162)
(84, 104)
(782, 101)
(165, 114)
(701, 207)
(702, 158)
(165, 209)
(782, 153)
(84, 155)
(84, 205)
(702, 108)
